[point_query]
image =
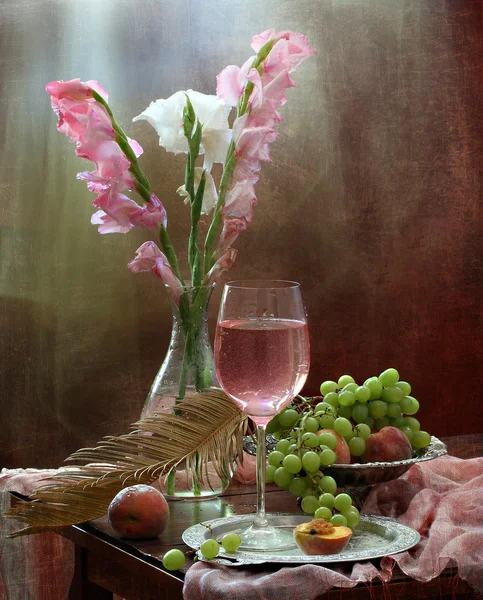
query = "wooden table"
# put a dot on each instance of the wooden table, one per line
(107, 565)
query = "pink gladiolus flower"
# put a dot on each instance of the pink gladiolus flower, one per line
(124, 213)
(232, 227)
(107, 224)
(224, 263)
(240, 201)
(150, 216)
(150, 258)
(253, 132)
(231, 82)
(75, 89)
(296, 44)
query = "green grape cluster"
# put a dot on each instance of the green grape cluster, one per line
(355, 411)
(298, 462)
(378, 402)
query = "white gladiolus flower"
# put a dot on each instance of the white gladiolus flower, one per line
(209, 197)
(166, 116)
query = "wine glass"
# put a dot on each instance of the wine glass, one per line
(262, 361)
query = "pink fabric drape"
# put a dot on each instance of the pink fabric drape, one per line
(442, 499)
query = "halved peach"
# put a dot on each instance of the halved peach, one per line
(320, 537)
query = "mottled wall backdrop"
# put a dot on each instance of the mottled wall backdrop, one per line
(372, 201)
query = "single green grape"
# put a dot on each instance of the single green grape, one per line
(288, 418)
(389, 377)
(309, 491)
(394, 410)
(269, 473)
(380, 423)
(173, 560)
(374, 386)
(311, 462)
(231, 542)
(345, 412)
(310, 504)
(274, 425)
(332, 398)
(283, 446)
(321, 407)
(344, 380)
(357, 446)
(347, 398)
(292, 464)
(311, 425)
(327, 457)
(326, 421)
(291, 448)
(360, 412)
(342, 426)
(328, 484)
(421, 439)
(312, 442)
(338, 520)
(413, 423)
(324, 407)
(351, 517)
(350, 436)
(363, 431)
(392, 394)
(350, 387)
(362, 393)
(297, 486)
(369, 421)
(397, 422)
(282, 478)
(342, 502)
(409, 405)
(377, 409)
(408, 432)
(323, 513)
(404, 387)
(328, 386)
(210, 549)
(327, 439)
(326, 500)
(307, 436)
(275, 458)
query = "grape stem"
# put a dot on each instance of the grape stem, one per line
(308, 414)
(210, 528)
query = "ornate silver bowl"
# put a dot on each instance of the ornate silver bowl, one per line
(358, 478)
(363, 474)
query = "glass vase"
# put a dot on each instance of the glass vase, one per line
(186, 370)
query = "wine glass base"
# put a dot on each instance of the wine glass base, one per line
(262, 539)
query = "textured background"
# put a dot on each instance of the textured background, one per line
(372, 202)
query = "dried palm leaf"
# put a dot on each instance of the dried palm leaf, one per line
(208, 428)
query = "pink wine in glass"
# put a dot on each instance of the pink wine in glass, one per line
(262, 364)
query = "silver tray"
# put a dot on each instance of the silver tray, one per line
(374, 537)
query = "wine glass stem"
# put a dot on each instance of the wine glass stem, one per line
(260, 519)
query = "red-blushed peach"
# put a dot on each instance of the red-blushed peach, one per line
(320, 537)
(341, 449)
(139, 512)
(388, 445)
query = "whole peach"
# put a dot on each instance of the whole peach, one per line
(139, 512)
(341, 449)
(388, 445)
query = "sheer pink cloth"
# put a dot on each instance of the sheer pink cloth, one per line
(38, 567)
(442, 499)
